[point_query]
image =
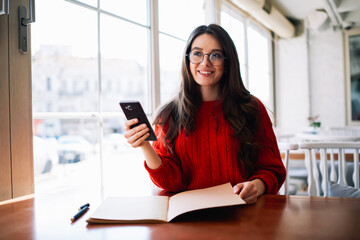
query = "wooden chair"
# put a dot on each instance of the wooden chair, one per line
(339, 149)
(286, 148)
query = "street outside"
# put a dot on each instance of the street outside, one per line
(123, 175)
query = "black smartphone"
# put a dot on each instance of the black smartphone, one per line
(133, 109)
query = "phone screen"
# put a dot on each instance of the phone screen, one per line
(133, 109)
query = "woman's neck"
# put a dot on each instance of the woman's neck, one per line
(210, 93)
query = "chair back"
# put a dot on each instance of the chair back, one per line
(285, 148)
(319, 176)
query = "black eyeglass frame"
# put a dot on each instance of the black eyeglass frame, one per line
(188, 56)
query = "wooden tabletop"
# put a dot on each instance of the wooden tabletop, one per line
(272, 217)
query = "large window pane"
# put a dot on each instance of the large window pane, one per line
(179, 18)
(259, 63)
(171, 54)
(253, 46)
(135, 10)
(354, 62)
(124, 64)
(233, 23)
(64, 66)
(65, 79)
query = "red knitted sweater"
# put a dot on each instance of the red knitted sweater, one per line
(208, 156)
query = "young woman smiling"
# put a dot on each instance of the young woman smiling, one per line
(214, 131)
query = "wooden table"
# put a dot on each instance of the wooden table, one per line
(272, 217)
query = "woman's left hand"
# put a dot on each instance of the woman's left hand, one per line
(250, 191)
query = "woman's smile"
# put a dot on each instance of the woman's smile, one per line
(205, 72)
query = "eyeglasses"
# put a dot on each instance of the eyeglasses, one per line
(216, 58)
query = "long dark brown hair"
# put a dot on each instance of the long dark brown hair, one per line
(240, 108)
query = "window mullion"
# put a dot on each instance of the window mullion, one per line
(99, 117)
(154, 59)
(246, 54)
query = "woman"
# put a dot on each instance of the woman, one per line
(214, 131)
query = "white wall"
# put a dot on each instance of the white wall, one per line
(292, 90)
(310, 80)
(327, 78)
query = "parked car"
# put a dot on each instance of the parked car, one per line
(73, 148)
(45, 154)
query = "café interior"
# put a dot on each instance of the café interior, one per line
(62, 132)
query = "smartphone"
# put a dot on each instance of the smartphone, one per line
(133, 109)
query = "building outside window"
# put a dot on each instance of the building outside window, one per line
(82, 66)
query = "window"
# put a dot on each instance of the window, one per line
(82, 67)
(234, 23)
(260, 76)
(177, 19)
(253, 44)
(100, 54)
(124, 59)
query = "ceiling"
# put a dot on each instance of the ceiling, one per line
(343, 14)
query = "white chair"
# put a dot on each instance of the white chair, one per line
(285, 148)
(315, 188)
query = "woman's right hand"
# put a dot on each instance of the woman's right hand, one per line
(136, 136)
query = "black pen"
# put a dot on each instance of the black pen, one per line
(85, 205)
(80, 213)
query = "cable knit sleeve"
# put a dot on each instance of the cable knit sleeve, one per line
(269, 168)
(169, 175)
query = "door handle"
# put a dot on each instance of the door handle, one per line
(24, 21)
(4, 7)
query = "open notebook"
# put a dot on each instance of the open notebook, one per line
(163, 208)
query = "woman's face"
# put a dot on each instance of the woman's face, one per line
(205, 73)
